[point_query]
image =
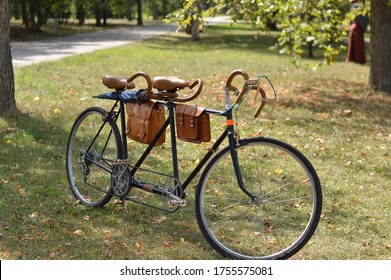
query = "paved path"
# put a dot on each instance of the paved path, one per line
(26, 53)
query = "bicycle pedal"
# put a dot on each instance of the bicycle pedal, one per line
(177, 202)
(122, 162)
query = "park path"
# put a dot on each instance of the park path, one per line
(26, 53)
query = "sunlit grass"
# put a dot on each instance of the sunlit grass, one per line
(330, 115)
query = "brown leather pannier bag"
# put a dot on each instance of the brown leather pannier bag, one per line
(192, 124)
(144, 122)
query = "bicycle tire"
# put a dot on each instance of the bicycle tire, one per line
(284, 218)
(89, 169)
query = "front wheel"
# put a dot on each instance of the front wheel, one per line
(93, 146)
(280, 216)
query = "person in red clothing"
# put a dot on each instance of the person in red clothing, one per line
(356, 46)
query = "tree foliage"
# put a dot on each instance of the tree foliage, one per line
(304, 24)
(36, 13)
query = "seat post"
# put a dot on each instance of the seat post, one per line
(171, 115)
(123, 130)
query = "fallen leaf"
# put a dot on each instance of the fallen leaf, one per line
(278, 171)
(167, 245)
(79, 232)
(110, 242)
(16, 176)
(159, 220)
(347, 112)
(34, 215)
(47, 221)
(137, 245)
(367, 243)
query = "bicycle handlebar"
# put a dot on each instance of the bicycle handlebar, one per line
(195, 94)
(235, 89)
(248, 85)
(165, 95)
(147, 79)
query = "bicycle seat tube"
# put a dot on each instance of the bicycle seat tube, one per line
(171, 115)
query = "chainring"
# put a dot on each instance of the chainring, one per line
(120, 180)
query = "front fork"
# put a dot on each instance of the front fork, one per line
(233, 140)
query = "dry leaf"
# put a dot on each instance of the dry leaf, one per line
(79, 232)
(367, 243)
(137, 245)
(16, 176)
(347, 112)
(34, 215)
(278, 171)
(167, 245)
(110, 242)
(108, 233)
(160, 220)
(32, 227)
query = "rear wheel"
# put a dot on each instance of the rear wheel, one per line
(283, 213)
(93, 146)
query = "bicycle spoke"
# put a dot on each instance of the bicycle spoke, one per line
(278, 222)
(94, 144)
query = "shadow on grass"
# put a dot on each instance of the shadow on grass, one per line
(323, 96)
(42, 220)
(214, 40)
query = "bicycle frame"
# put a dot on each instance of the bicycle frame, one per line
(104, 168)
(170, 121)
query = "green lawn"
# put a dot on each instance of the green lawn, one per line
(331, 115)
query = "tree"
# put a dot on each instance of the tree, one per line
(7, 87)
(310, 23)
(380, 77)
(139, 13)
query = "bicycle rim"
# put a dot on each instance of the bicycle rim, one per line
(286, 214)
(94, 144)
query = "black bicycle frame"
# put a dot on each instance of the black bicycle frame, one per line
(170, 121)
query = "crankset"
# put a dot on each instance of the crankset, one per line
(120, 179)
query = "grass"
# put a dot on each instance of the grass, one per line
(330, 115)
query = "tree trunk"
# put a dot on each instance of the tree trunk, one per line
(139, 13)
(164, 8)
(195, 33)
(25, 16)
(7, 87)
(32, 6)
(98, 15)
(380, 77)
